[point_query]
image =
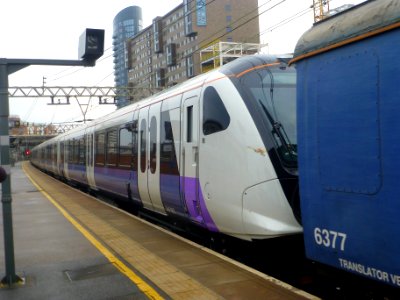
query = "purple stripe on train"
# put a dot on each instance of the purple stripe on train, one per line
(112, 179)
(178, 194)
(77, 173)
(196, 205)
(171, 194)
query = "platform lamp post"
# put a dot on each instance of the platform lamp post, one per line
(91, 47)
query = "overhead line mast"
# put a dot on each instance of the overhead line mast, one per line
(321, 9)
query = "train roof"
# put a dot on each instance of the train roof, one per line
(359, 22)
(248, 62)
(235, 67)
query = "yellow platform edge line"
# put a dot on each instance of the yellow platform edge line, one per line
(124, 269)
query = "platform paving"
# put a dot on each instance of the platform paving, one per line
(56, 260)
(69, 245)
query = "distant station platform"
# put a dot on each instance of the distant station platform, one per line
(69, 245)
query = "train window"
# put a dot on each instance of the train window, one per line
(189, 124)
(67, 153)
(82, 151)
(111, 154)
(143, 158)
(76, 151)
(135, 145)
(274, 93)
(153, 145)
(215, 116)
(168, 161)
(100, 143)
(61, 152)
(70, 151)
(53, 153)
(90, 149)
(125, 146)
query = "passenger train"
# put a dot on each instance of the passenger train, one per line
(348, 102)
(218, 151)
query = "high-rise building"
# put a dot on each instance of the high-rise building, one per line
(168, 51)
(127, 23)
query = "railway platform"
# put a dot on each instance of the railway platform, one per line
(69, 245)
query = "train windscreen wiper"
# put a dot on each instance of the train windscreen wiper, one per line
(279, 131)
(289, 153)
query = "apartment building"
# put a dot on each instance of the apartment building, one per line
(168, 51)
(126, 24)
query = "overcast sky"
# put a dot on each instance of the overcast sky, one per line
(51, 28)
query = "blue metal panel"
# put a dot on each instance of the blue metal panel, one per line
(349, 162)
(348, 122)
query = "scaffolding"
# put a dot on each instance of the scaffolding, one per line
(220, 53)
(321, 9)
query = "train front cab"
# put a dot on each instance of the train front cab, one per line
(348, 140)
(241, 150)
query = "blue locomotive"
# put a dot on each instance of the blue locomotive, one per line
(348, 99)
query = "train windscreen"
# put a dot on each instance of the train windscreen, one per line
(274, 91)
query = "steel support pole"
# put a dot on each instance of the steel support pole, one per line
(7, 67)
(6, 199)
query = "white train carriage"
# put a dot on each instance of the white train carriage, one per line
(218, 150)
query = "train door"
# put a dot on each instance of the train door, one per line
(60, 158)
(81, 164)
(170, 156)
(90, 158)
(190, 157)
(133, 188)
(143, 158)
(153, 171)
(53, 155)
(67, 155)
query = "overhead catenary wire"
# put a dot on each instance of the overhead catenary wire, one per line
(236, 21)
(73, 70)
(271, 28)
(208, 37)
(225, 33)
(113, 47)
(164, 29)
(284, 21)
(151, 33)
(275, 26)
